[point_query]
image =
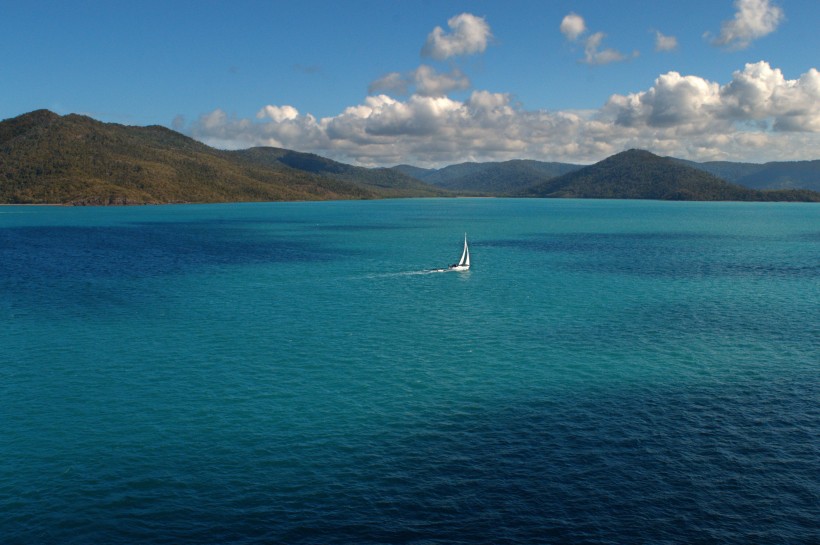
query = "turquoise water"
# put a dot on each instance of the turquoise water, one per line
(607, 372)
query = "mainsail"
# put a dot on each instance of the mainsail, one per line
(465, 255)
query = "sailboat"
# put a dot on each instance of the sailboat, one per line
(463, 263)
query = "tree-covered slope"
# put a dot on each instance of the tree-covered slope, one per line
(46, 158)
(490, 178)
(638, 174)
(508, 177)
(382, 181)
(772, 175)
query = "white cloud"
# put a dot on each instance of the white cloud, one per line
(759, 97)
(674, 101)
(392, 82)
(424, 79)
(753, 19)
(278, 113)
(572, 26)
(470, 34)
(758, 115)
(665, 43)
(592, 55)
(430, 83)
(761, 92)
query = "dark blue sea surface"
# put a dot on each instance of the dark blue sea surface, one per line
(609, 372)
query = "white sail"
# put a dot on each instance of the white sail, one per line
(465, 255)
(463, 263)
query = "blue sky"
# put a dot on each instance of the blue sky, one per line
(432, 82)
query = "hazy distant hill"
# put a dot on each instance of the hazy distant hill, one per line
(47, 158)
(772, 175)
(638, 174)
(381, 180)
(414, 172)
(511, 177)
(495, 178)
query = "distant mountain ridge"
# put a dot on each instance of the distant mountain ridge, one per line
(511, 177)
(46, 158)
(508, 177)
(771, 175)
(639, 174)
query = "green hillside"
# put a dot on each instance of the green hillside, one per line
(638, 174)
(491, 178)
(382, 181)
(46, 158)
(772, 175)
(507, 178)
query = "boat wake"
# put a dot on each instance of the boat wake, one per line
(463, 265)
(404, 273)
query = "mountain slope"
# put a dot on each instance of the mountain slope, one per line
(46, 158)
(772, 175)
(494, 178)
(638, 174)
(508, 177)
(415, 172)
(380, 180)
(784, 175)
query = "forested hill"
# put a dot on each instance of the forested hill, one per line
(385, 180)
(46, 158)
(772, 175)
(639, 174)
(517, 176)
(495, 178)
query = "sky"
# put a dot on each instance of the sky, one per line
(432, 82)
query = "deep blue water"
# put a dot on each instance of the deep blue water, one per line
(608, 372)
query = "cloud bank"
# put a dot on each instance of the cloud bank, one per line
(757, 115)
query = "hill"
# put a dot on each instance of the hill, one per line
(639, 174)
(380, 180)
(46, 158)
(772, 175)
(514, 177)
(491, 178)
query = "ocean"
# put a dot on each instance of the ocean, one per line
(608, 372)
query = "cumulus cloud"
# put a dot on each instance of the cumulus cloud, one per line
(758, 95)
(425, 80)
(469, 34)
(674, 101)
(758, 115)
(665, 43)
(573, 27)
(278, 113)
(753, 19)
(430, 83)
